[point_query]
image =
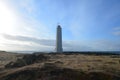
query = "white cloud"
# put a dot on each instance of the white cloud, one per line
(21, 43)
(106, 45)
(25, 22)
(117, 28)
(14, 42)
(45, 42)
(96, 45)
(116, 31)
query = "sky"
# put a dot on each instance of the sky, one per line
(87, 25)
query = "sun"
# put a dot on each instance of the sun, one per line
(7, 19)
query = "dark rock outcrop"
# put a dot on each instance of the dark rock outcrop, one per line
(18, 63)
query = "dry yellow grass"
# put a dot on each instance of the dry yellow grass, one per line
(108, 63)
(87, 62)
(6, 57)
(103, 65)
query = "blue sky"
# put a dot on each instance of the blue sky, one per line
(87, 25)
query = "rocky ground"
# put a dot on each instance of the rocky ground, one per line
(51, 66)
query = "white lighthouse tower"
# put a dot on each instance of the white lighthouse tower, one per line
(59, 40)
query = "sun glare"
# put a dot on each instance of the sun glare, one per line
(7, 19)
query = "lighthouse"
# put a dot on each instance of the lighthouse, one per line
(59, 39)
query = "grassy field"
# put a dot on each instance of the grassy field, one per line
(103, 65)
(109, 63)
(6, 57)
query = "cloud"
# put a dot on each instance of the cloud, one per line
(70, 45)
(116, 31)
(24, 47)
(76, 46)
(106, 45)
(27, 19)
(95, 45)
(117, 28)
(30, 39)
(32, 43)
(26, 43)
